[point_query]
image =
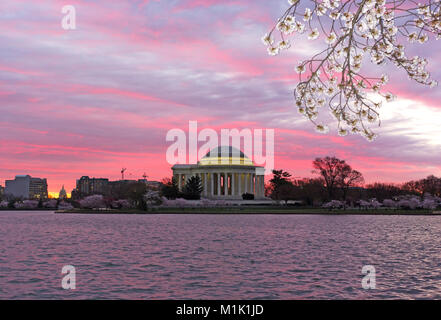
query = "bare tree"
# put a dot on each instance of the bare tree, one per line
(430, 185)
(331, 170)
(349, 178)
(353, 31)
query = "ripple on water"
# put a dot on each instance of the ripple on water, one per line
(219, 256)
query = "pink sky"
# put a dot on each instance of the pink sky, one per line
(102, 97)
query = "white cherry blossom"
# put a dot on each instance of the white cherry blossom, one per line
(355, 32)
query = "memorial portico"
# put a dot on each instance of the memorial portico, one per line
(226, 173)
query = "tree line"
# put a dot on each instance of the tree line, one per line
(337, 180)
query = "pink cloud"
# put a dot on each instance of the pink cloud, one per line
(103, 97)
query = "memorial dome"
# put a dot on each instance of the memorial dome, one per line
(226, 155)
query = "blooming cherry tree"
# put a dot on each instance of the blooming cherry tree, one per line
(152, 197)
(93, 202)
(354, 31)
(26, 204)
(429, 204)
(409, 202)
(364, 204)
(50, 204)
(65, 206)
(374, 203)
(333, 204)
(121, 204)
(389, 203)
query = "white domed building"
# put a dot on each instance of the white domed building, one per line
(226, 173)
(62, 194)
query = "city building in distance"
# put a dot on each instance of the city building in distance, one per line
(226, 173)
(26, 187)
(87, 186)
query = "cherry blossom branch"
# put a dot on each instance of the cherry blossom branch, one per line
(354, 31)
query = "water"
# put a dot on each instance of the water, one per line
(218, 256)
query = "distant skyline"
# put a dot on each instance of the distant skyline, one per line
(100, 98)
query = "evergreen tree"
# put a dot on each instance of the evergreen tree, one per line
(281, 186)
(193, 188)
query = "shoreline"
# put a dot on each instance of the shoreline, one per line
(253, 212)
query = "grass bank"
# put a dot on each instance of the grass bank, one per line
(254, 210)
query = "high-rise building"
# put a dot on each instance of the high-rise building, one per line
(26, 187)
(88, 186)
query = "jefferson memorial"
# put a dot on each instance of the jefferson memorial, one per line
(226, 173)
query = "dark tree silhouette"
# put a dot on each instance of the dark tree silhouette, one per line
(381, 191)
(287, 192)
(337, 174)
(193, 188)
(311, 191)
(170, 188)
(136, 192)
(282, 187)
(349, 178)
(278, 184)
(430, 185)
(331, 169)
